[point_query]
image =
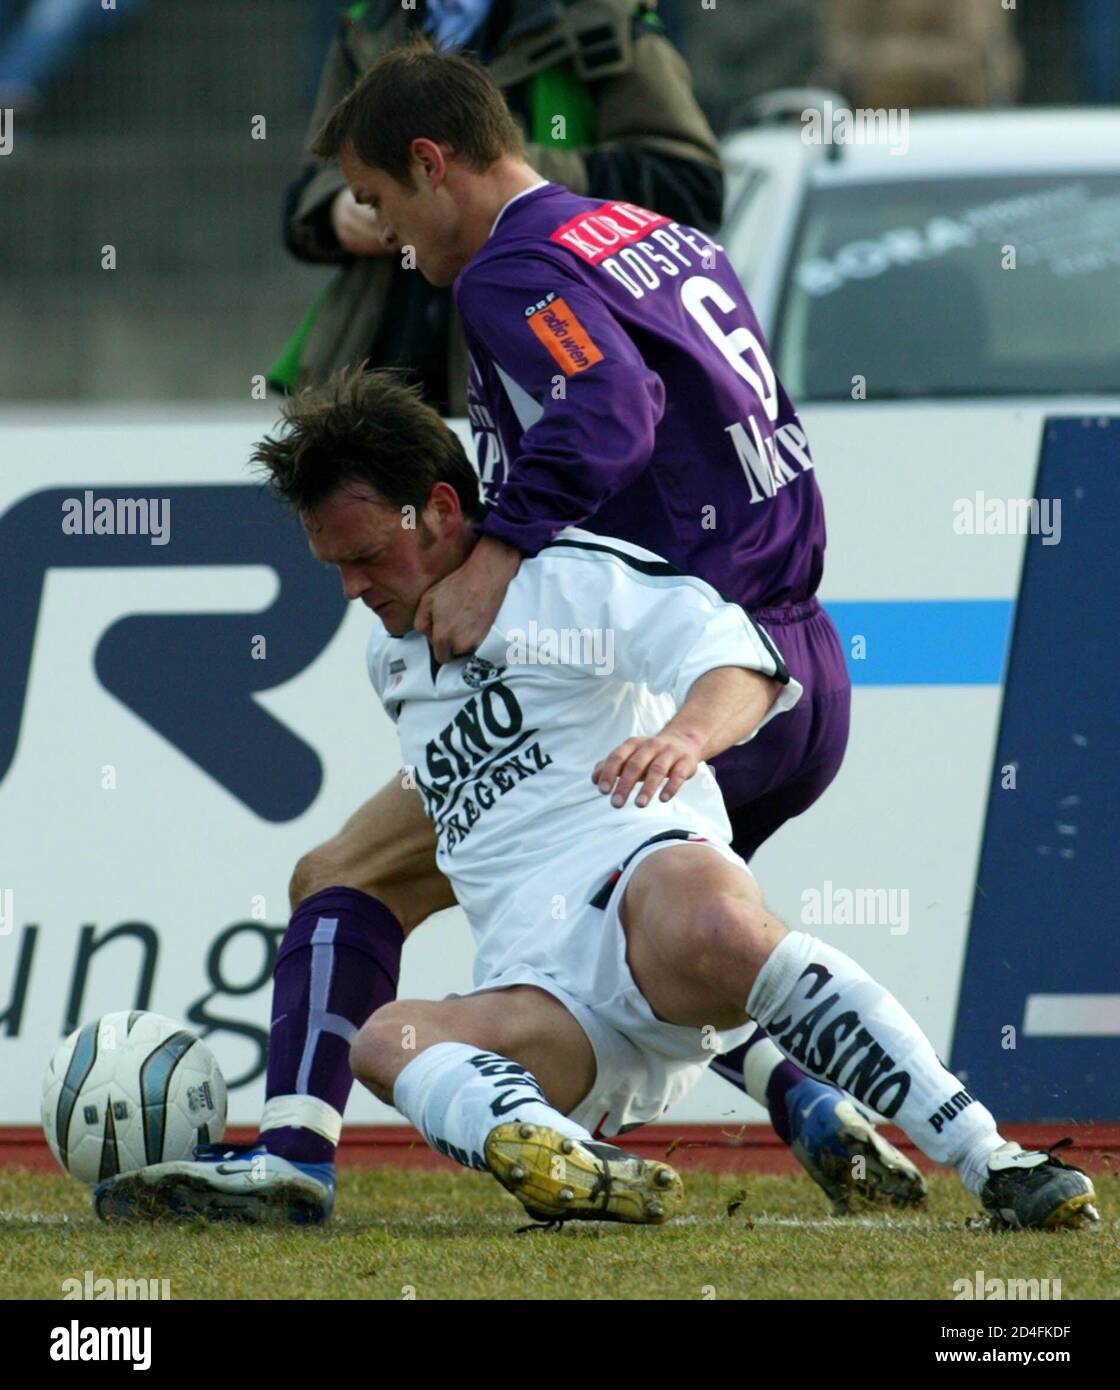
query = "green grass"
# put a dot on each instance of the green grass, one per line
(452, 1236)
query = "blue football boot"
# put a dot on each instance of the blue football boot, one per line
(844, 1153)
(223, 1182)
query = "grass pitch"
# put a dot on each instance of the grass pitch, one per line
(452, 1235)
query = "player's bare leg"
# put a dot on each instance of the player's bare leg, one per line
(387, 849)
(489, 1080)
(386, 852)
(378, 879)
(705, 951)
(354, 900)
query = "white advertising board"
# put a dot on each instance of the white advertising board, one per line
(108, 825)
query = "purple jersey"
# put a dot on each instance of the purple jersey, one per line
(620, 381)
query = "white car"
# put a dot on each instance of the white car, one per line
(929, 304)
(971, 256)
(929, 301)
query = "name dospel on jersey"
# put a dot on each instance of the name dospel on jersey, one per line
(620, 381)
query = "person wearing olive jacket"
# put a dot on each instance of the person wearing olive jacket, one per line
(606, 106)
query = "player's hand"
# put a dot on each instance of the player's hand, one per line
(356, 227)
(667, 758)
(456, 613)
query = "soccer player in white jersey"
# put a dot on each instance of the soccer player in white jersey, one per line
(621, 943)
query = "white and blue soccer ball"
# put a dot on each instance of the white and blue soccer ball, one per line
(128, 1090)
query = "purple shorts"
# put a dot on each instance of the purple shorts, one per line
(787, 765)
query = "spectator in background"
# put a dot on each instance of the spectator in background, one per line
(607, 112)
(742, 48)
(896, 53)
(43, 40)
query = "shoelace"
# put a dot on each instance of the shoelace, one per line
(224, 1150)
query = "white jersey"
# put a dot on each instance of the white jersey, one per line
(597, 640)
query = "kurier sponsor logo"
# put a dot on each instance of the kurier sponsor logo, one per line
(592, 235)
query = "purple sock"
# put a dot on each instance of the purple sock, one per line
(339, 961)
(783, 1078)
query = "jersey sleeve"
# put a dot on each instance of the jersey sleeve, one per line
(627, 615)
(587, 401)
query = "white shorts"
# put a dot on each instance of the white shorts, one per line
(643, 1064)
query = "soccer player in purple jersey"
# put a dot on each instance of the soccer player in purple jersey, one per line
(620, 382)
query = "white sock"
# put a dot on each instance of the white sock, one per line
(973, 1167)
(830, 1017)
(758, 1068)
(455, 1095)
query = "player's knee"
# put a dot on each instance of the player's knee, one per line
(379, 1047)
(314, 871)
(723, 942)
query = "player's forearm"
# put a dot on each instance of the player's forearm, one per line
(722, 708)
(575, 458)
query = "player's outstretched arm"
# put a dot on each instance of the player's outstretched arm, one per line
(724, 706)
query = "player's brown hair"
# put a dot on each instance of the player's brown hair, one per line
(416, 92)
(365, 427)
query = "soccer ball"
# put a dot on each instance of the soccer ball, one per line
(130, 1089)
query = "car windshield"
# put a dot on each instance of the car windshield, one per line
(954, 287)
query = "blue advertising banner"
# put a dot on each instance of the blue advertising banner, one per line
(1037, 1032)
